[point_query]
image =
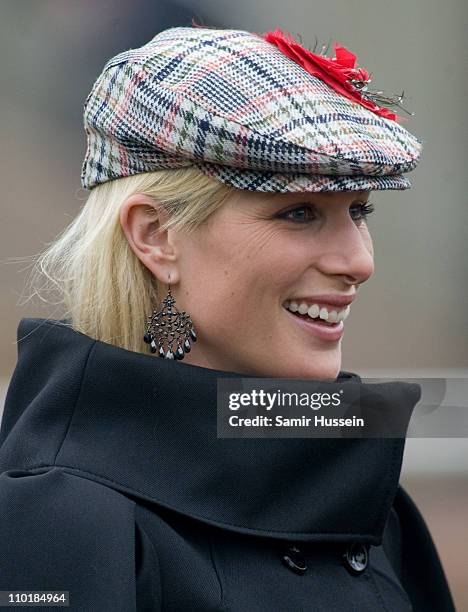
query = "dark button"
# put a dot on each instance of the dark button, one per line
(294, 560)
(356, 558)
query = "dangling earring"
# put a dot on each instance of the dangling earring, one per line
(170, 327)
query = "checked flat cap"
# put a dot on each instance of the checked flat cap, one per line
(242, 111)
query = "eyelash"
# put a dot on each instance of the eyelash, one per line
(366, 208)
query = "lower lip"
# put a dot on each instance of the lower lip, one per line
(331, 333)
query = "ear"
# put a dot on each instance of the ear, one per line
(140, 218)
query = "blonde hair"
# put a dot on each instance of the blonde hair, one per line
(103, 288)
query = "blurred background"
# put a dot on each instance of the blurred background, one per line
(410, 320)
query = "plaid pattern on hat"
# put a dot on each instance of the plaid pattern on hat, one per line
(240, 110)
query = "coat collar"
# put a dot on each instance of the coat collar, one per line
(147, 427)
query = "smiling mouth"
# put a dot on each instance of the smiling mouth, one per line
(317, 327)
(316, 320)
(322, 315)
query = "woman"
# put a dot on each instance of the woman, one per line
(230, 176)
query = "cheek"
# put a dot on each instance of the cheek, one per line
(214, 280)
(236, 271)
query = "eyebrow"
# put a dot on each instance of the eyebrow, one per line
(310, 197)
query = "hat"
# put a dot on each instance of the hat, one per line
(244, 112)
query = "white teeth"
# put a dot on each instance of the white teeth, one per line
(314, 311)
(323, 314)
(343, 314)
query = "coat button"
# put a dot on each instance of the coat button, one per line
(356, 558)
(294, 560)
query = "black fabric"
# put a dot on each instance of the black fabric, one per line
(417, 544)
(115, 487)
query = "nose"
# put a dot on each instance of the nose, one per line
(347, 251)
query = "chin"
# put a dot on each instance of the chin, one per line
(317, 367)
(325, 365)
(326, 373)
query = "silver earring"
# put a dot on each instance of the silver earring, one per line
(170, 329)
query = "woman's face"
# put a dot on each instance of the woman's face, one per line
(258, 251)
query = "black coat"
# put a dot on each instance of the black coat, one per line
(115, 487)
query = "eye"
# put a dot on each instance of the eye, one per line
(363, 210)
(300, 214)
(306, 212)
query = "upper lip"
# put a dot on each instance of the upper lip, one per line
(325, 299)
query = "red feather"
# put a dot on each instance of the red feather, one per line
(337, 72)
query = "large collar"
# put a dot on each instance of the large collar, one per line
(146, 426)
